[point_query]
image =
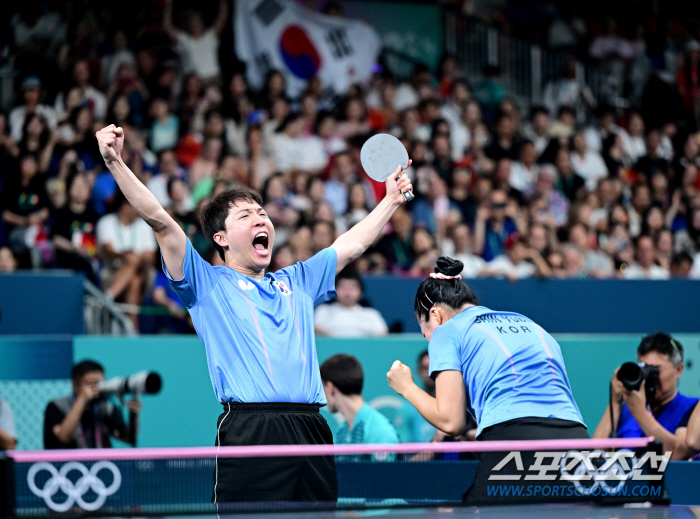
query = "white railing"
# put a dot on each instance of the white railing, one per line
(525, 66)
(103, 316)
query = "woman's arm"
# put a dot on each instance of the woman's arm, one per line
(447, 411)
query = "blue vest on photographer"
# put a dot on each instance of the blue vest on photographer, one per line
(670, 417)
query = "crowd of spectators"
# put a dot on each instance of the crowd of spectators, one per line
(570, 189)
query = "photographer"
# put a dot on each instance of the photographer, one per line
(670, 411)
(84, 420)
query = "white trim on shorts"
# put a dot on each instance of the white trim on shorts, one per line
(216, 462)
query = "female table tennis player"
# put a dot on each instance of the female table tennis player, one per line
(501, 367)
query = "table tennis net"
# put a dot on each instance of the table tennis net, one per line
(175, 481)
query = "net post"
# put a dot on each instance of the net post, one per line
(7, 486)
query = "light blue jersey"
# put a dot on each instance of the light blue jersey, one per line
(259, 333)
(512, 367)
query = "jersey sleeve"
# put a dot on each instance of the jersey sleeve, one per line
(199, 277)
(444, 351)
(315, 276)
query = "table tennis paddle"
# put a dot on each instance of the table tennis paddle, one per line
(380, 155)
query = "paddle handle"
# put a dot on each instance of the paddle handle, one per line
(408, 195)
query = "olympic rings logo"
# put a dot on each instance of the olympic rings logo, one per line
(88, 480)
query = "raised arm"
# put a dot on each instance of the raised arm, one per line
(221, 17)
(352, 244)
(168, 26)
(447, 411)
(170, 236)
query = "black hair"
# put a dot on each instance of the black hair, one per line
(450, 292)
(344, 372)
(118, 200)
(422, 354)
(214, 213)
(289, 119)
(538, 109)
(680, 258)
(83, 368)
(350, 272)
(321, 116)
(664, 344)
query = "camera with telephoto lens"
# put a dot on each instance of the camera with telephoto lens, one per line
(631, 374)
(142, 383)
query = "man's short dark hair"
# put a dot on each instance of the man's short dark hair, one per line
(663, 344)
(83, 368)
(680, 258)
(422, 354)
(215, 212)
(344, 372)
(350, 272)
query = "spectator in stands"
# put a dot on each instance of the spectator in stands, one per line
(664, 248)
(633, 140)
(31, 94)
(537, 130)
(25, 204)
(127, 246)
(73, 230)
(567, 91)
(688, 239)
(555, 209)
(587, 163)
(652, 162)
(199, 45)
(569, 182)
(95, 100)
(8, 262)
(645, 268)
(165, 130)
(524, 172)
(343, 379)
(596, 262)
(520, 261)
(670, 410)
(168, 168)
(459, 246)
(689, 79)
(505, 143)
(346, 317)
(293, 151)
(8, 434)
(84, 419)
(641, 200)
(396, 246)
(493, 226)
(681, 265)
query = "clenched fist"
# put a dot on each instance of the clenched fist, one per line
(111, 141)
(399, 377)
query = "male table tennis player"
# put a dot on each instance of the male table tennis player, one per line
(257, 329)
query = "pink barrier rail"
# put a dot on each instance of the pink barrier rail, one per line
(320, 450)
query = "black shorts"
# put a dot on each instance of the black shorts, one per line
(531, 428)
(298, 478)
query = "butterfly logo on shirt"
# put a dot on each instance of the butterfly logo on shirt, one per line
(245, 285)
(282, 287)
